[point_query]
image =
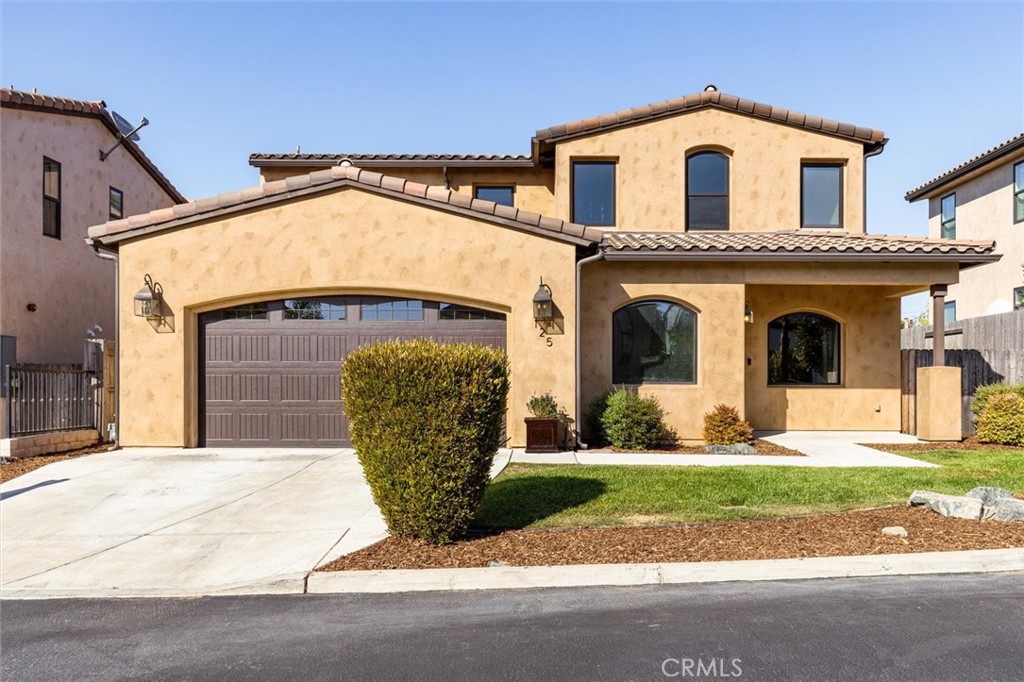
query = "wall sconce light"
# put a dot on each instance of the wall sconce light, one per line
(748, 313)
(149, 300)
(543, 307)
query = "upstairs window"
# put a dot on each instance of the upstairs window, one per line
(1018, 298)
(803, 348)
(51, 198)
(593, 192)
(947, 216)
(821, 195)
(654, 342)
(1018, 192)
(707, 191)
(949, 311)
(504, 195)
(116, 204)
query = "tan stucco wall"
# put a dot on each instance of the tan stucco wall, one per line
(764, 164)
(72, 288)
(938, 404)
(534, 187)
(344, 241)
(985, 211)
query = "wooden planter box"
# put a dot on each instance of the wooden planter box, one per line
(544, 434)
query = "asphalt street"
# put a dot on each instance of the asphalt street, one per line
(877, 629)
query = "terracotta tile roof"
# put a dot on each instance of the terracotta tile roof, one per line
(384, 160)
(19, 99)
(716, 100)
(335, 178)
(981, 160)
(791, 245)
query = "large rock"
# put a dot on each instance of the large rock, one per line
(737, 449)
(988, 494)
(948, 505)
(1006, 509)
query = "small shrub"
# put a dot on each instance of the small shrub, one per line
(426, 420)
(723, 426)
(1002, 421)
(632, 422)
(594, 415)
(982, 394)
(544, 405)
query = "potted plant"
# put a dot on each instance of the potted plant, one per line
(545, 430)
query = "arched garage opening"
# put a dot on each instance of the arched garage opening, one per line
(269, 373)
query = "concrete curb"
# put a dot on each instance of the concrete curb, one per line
(290, 583)
(524, 577)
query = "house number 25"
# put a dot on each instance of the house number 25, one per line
(547, 339)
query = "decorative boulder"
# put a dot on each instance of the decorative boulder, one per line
(1007, 509)
(988, 494)
(735, 449)
(948, 505)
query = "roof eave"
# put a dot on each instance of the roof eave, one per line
(258, 162)
(970, 168)
(966, 260)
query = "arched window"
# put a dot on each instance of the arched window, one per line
(803, 348)
(654, 341)
(707, 191)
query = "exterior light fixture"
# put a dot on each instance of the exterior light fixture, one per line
(149, 299)
(543, 307)
(748, 314)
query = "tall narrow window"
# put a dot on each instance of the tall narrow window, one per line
(116, 204)
(707, 191)
(654, 342)
(51, 198)
(1018, 297)
(949, 311)
(821, 195)
(803, 348)
(1018, 192)
(948, 217)
(593, 192)
(504, 195)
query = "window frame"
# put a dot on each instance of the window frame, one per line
(696, 344)
(511, 187)
(56, 234)
(842, 194)
(1014, 296)
(727, 194)
(946, 307)
(942, 218)
(110, 199)
(840, 345)
(1018, 193)
(614, 163)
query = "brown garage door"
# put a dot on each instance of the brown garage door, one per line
(270, 372)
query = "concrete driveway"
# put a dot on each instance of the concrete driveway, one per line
(139, 522)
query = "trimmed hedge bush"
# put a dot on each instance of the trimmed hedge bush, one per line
(723, 426)
(629, 421)
(426, 420)
(1002, 421)
(982, 394)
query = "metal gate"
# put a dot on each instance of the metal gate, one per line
(46, 398)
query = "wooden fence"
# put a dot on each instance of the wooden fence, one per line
(989, 349)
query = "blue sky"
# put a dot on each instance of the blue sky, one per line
(219, 81)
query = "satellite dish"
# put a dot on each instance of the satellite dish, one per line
(126, 128)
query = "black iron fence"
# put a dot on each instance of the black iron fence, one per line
(46, 398)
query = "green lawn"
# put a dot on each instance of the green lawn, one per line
(550, 496)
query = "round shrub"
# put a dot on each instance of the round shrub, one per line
(632, 422)
(1002, 421)
(426, 420)
(982, 394)
(723, 426)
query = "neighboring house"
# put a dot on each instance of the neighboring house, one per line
(982, 198)
(53, 186)
(708, 249)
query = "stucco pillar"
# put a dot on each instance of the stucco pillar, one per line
(938, 292)
(938, 404)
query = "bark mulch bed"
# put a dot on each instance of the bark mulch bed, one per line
(969, 443)
(763, 448)
(848, 533)
(21, 466)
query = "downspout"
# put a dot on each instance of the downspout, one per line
(112, 257)
(864, 176)
(579, 342)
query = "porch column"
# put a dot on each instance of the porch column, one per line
(938, 292)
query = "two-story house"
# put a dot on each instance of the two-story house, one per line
(982, 198)
(707, 249)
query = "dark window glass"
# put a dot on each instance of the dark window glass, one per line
(116, 204)
(402, 310)
(822, 195)
(51, 198)
(707, 191)
(1018, 298)
(252, 311)
(499, 195)
(313, 309)
(450, 311)
(654, 341)
(803, 348)
(948, 217)
(593, 192)
(1018, 192)
(949, 311)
